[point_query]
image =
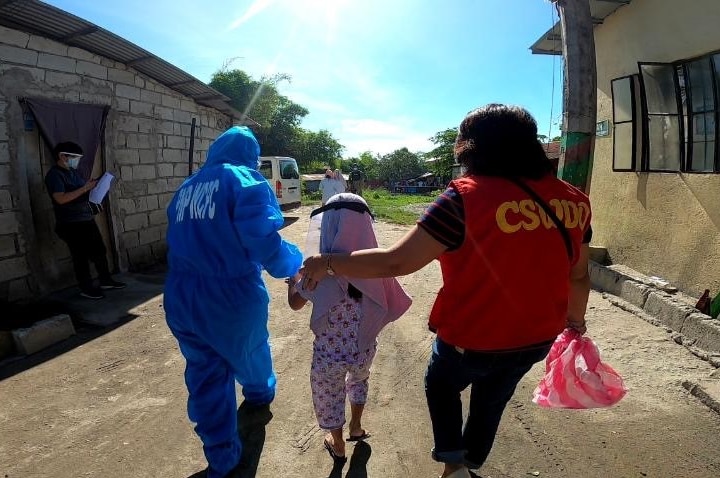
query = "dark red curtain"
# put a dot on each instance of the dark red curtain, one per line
(81, 123)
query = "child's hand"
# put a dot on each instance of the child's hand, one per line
(295, 300)
(295, 280)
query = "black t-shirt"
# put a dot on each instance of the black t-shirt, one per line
(61, 180)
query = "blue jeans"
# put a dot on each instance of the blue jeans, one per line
(493, 376)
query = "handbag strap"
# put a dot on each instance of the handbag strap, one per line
(550, 213)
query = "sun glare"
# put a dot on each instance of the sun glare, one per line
(320, 15)
(319, 21)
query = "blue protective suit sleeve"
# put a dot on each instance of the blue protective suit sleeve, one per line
(257, 221)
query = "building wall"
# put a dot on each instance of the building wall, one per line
(664, 224)
(147, 140)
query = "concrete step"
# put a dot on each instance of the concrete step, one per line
(707, 391)
(670, 307)
(43, 334)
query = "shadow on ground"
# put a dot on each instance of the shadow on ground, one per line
(91, 318)
(358, 463)
(251, 421)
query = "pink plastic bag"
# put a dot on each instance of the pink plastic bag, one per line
(576, 378)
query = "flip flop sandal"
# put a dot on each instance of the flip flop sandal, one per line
(336, 458)
(365, 435)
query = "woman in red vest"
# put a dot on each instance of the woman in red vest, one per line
(513, 244)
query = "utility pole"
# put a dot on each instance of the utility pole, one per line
(580, 92)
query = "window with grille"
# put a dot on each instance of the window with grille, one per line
(680, 108)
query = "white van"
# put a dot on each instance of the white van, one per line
(283, 175)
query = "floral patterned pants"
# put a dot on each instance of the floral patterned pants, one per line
(338, 368)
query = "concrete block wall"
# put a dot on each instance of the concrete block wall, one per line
(14, 270)
(147, 140)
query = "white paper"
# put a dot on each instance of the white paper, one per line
(101, 189)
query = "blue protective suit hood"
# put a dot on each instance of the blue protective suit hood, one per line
(236, 146)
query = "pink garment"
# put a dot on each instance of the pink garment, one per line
(384, 300)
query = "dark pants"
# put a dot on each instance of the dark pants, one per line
(493, 376)
(356, 186)
(86, 245)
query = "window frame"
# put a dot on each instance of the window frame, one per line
(685, 114)
(645, 161)
(690, 113)
(633, 121)
(261, 169)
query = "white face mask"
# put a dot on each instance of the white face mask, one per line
(73, 160)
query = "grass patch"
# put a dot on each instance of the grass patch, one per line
(394, 208)
(311, 199)
(397, 208)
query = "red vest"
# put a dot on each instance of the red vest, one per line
(507, 285)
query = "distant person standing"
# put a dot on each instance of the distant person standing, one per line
(330, 186)
(343, 184)
(74, 221)
(357, 179)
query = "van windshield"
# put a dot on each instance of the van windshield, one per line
(289, 169)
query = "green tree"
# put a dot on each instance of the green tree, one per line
(316, 150)
(366, 161)
(280, 138)
(400, 164)
(278, 116)
(443, 153)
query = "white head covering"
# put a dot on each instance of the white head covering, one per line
(344, 230)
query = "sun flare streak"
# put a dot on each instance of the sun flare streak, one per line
(255, 8)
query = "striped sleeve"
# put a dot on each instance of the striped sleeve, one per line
(444, 220)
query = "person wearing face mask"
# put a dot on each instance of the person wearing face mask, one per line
(74, 222)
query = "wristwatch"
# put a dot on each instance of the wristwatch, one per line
(329, 268)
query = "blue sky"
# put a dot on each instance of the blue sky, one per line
(378, 74)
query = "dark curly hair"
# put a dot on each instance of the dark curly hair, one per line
(501, 140)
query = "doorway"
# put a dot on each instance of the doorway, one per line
(48, 255)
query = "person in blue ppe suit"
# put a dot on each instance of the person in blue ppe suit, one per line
(223, 227)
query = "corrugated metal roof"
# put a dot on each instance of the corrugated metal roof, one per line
(552, 149)
(33, 16)
(551, 42)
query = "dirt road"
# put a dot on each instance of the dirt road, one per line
(115, 407)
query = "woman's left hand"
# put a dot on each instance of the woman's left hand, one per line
(314, 270)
